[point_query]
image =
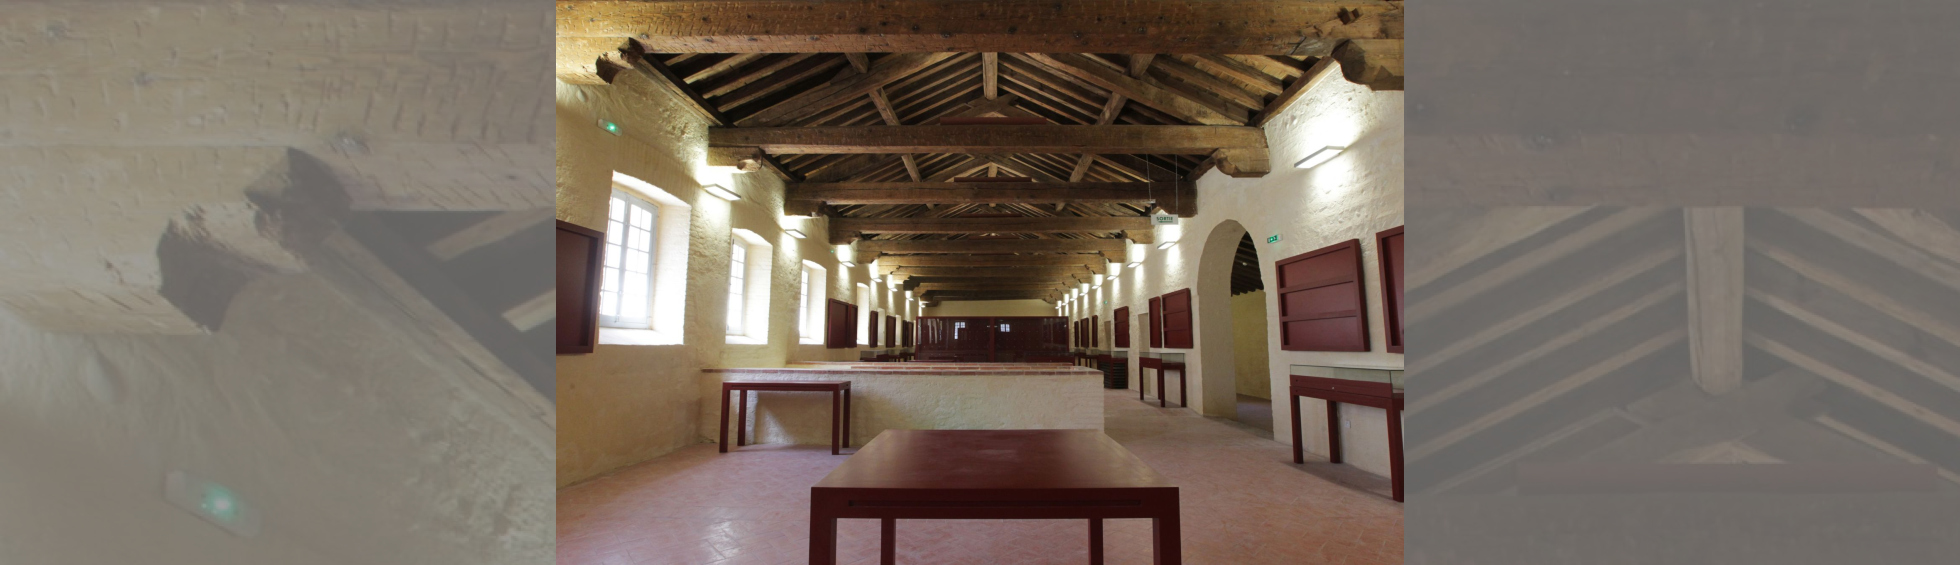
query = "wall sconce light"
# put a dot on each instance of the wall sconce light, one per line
(721, 192)
(1321, 156)
(849, 263)
(1166, 245)
(793, 232)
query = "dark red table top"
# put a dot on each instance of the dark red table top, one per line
(993, 460)
(785, 385)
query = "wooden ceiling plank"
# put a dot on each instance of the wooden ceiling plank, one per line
(732, 62)
(714, 88)
(1209, 83)
(774, 83)
(663, 78)
(1236, 70)
(887, 70)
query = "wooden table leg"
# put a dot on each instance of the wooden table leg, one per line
(847, 416)
(887, 541)
(1095, 541)
(1333, 432)
(1165, 547)
(1298, 442)
(724, 419)
(836, 410)
(742, 420)
(823, 539)
(1395, 449)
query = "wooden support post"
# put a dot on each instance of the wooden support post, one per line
(1715, 299)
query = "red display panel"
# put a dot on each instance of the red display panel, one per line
(1095, 331)
(891, 331)
(908, 334)
(581, 253)
(1177, 320)
(982, 339)
(871, 329)
(1389, 244)
(1156, 328)
(840, 329)
(1122, 329)
(1321, 305)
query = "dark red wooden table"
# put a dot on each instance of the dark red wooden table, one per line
(1336, 391)
(1161, 366)
(993, 475)
(839, 417)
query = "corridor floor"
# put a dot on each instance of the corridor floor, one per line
(1243, 503)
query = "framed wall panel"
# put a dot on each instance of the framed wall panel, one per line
(871, 329)
(908, 329)
(1177, 320)
(891, 331)
(1095, 331)
(1156, 328)
(1321, 301)
(1388, 244)
(1120, 335)
(581, 254)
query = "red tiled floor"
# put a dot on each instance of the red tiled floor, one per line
(1244, 503)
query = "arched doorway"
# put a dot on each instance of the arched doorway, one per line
(1232, 329)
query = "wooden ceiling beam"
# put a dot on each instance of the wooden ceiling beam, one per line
(1140, 64)
(885, 71)
(1277, 27)
(1321, 71)
(1093, 263)
(1140, 90)
(990, 286)
(1182, 140)
(1237, 70)
(1374, 63)
(990, 72)
(664, 78)
(985, 246)
(1018, 271)
(845, 230)
(955, 192)
(859, 61)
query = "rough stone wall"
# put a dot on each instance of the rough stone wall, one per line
(624, 404)
(318, 435)
(1351, 197)
(882, 402)
(1028, 307)
(1249, 344)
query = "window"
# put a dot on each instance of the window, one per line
(626, 295)
(737, 269)
(803, 303)
(814, 287)
(1006, 327)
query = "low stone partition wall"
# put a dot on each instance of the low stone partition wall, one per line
(927, 396)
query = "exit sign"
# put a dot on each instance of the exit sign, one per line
(1165, 220)
(1272, 238)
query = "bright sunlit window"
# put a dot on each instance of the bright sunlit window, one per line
(626, 293)
(737, 287)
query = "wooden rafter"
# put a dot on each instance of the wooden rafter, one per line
(954, 192)
(1187, 140)
(1142, 91)
(1276, 27)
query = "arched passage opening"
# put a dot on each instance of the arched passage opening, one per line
(1232, 328)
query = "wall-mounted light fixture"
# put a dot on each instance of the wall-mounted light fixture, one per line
(793, 232)
(1166, 245)
(849, 263)
(721, 192)
(1320, 156)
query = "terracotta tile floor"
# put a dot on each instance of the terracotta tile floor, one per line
(1244, 503)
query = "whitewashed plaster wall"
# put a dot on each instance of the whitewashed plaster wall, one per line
(1352, 196)
(624, 404)
(318, 435)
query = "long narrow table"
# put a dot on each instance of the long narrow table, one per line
(839, 417)
(1161, 366)
(992, 475)
(1336, 391)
